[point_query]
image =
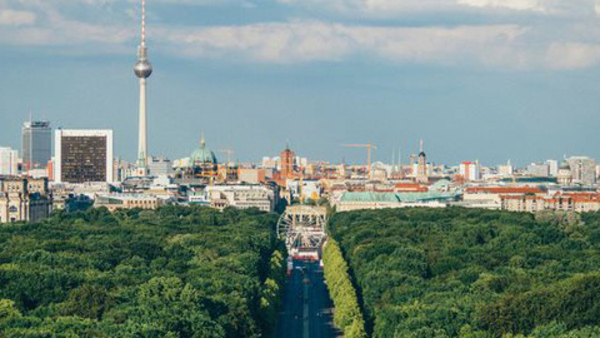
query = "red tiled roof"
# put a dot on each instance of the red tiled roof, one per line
(407, 185)
(504, 190)
(521, 197)
(556, 199)
(412, 187)
(581, 195)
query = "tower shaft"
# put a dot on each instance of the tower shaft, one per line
(142, 141)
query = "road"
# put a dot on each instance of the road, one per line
(307, 308)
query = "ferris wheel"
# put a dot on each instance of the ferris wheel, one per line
(302, 227)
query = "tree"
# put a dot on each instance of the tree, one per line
(173, 272)
(468, 273)
(87, 301)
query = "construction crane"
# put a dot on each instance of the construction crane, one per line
(369, 147)
(229, 153)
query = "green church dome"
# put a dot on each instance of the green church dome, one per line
(203, 155)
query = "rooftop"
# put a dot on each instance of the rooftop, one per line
(409, 197)
(503, 190)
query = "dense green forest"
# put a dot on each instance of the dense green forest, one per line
(455, 272)
(177, 272)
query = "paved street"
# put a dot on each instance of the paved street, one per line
(307, 308)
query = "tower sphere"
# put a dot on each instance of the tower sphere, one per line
(143, 69)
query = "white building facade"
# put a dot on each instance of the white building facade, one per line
(583, 170)
(242, 197)
(471, 171)
(9, 162)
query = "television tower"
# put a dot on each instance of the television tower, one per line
(143, 70)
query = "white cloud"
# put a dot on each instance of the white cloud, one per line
(60, 31)
(520, 5)
(275, 42)
(374, 8)
(16, 18)
(505, 46)
(300, 41)
(400, 8)
(517, 46)
(572, 55)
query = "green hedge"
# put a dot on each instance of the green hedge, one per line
(272, 290)
(347, 316)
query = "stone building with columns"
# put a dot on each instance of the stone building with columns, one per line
(24, 199)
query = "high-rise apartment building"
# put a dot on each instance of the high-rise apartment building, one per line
(471, 171)
(553, 166)
(83, 156)
(583, 169)
(36, 146)
(538, 169)
(9, 162)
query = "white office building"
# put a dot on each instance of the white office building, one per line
(553, 166)
(471, 171)
(538, 170)
(160, 166)
(506, 169)
(242, 196)
(9, 162)
(583, 170)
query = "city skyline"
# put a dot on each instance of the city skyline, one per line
(300, 168)
(464, 110)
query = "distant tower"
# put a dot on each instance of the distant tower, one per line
(422, 166)
(143, 70)
(287, 163)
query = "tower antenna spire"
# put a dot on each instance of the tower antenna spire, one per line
(143, 23)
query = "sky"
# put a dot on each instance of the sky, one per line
(488, 80)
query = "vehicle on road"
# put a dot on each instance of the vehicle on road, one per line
(290, 266)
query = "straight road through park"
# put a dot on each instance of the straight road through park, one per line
(307, 308)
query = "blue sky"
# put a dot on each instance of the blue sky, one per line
(476, 79)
